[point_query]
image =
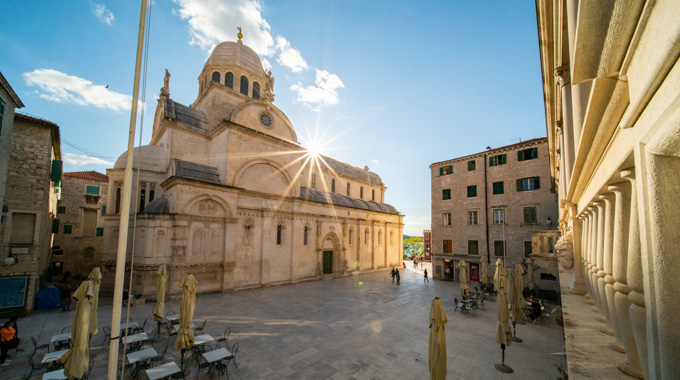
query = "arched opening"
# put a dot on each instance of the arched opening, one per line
(256, 90)
(142, 199)
(216, 77)
(333, 185)
(348, 189)
(380, 237)
(330, 259)
(361, 192)
(313, 181)
(366, 236)
(373, 195)
(305, 236)
(229, 80)
(351, 230)
(118, 201)
(152, 193)
(278, 234)
(244, 86)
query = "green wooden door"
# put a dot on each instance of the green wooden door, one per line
(327, 262)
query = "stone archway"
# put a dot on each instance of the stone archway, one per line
(330, 260)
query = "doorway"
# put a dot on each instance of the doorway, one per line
(474, 272)
(327, 262)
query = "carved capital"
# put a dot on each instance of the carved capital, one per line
(558, 125)
(562, 75)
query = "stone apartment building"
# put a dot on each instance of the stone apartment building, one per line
(486, 205)
(79, 241)
(33, 186)
(9, 101)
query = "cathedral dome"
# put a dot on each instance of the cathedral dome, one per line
(235, 54)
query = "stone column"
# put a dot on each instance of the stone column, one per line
(578, 285)
(563, 78)
(637, 311)
(608, 257)
(580, 92)
(619, 267)
(601, 236)
(592, 228)
(598, 223)
(584, 246)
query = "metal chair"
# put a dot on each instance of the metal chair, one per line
(135, 345)
(139, 329)
(62, 344)
(159, 359)
(37, 347)
(234, 351)
(201, 366)
(34, 366)
(224, 339)
(107, 333)
(184, 371)
(86, 375)
(200, 328)
(140, 367)
(66, 329)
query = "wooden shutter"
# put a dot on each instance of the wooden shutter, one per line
(537, 182)
(55, 226)
(534, 152)
(491, 161)
(503, 159)
(441, 171)
(520, 155)
(519, 185)
(55, 174)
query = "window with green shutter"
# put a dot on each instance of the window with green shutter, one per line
(446, 170)
(529, 183)
(497, 160)
(100, 231)
(103, 210)
(527, 248)
(446, 194)
(472, 191)
(498, 247)
(55, 174)
(472, 165)
(61, 209)
(530, 215)
(473, 247)
(527, 154)
(498, 188)
(68, 229)
(55, 226)
(91, 190)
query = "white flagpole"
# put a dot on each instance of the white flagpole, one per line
(125, 210)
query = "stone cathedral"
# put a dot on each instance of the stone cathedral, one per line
(225, 191)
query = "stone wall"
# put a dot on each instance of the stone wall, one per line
(76, 252)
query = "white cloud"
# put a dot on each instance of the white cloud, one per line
(288, 56)
(414, 225)
(80, 159)
(215, 21)
(59, 87)
(325, 91)
(266, 65)
(375, 161)
(104, 15)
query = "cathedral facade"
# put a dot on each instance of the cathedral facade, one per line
(225, 191)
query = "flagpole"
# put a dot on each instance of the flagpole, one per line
(125, 209)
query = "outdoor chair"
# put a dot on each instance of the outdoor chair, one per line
(34, 366)
(184, 371)
(160, 358)
(127, 368)
(202, 366)
(135, 346)
(139, 370)
(66, 329)
(107, 334)
(139, 329)
(224, 339)
(62, 344)
(221, 367)
(86, 375)
(233, 351)
(37, 347)
(459, 305)
(200, 328)
(197, 352)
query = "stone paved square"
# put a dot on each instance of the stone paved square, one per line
(357, 327)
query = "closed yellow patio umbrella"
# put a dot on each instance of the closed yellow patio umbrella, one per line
(514, 305)
(462, 274)
(503, 333)
(185, 334)
(499, 272)
(96, 277)
(159, 309)
(437, 354)
(76, 359)
(484, 279)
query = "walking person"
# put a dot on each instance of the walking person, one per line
(426, 279)
(392, 274)
(8, 340)
(14, 320)
(398, 276)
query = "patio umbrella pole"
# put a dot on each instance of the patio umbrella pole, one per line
(514, 333)
(501, 366)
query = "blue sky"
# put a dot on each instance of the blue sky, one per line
(393, 85)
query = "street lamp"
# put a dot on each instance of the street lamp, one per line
(548, 222)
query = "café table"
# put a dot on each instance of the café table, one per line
(172, 317)
(162, 371)
(54, 375)
(176, 327)
(133, 338)
(203, 339)
(60, 336)
(133, 357)
(53, 356)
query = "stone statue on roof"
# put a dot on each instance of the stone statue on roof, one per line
(166, 84)
(269, 86)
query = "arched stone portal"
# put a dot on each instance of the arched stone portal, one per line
(330, 259)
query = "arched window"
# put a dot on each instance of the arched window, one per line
(229, 80)
(348, 189)
(256, 90)
(152, 193)
(118, 201)
(244, 85)
(216, 77)
(278, 234)
(142, 199)
(305, 236)
(361, 192)
(380, 237)
(313, 181)
(373, 195)
(366, 236)
(333, 185)
(350, 235)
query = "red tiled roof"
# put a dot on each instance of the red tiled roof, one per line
(511, 146)
(35, 120)
(91, 175)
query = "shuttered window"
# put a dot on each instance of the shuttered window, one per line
(473, 247)
(498, 247)
(498, 188)
(529, 183)
(472, 191)
(527, 154)
(530, 215)
(446, 170)
(497, 160)
(448, 246)
(472, 165)
(446, 194)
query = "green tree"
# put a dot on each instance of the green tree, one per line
(413, 246)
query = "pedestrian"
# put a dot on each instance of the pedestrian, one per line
(8, 340)
(392, 274)
(426, 279)
(404, 264)
(398, 276)
(415, 263)
(16, 331)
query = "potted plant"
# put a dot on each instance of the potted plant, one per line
(558, 315)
